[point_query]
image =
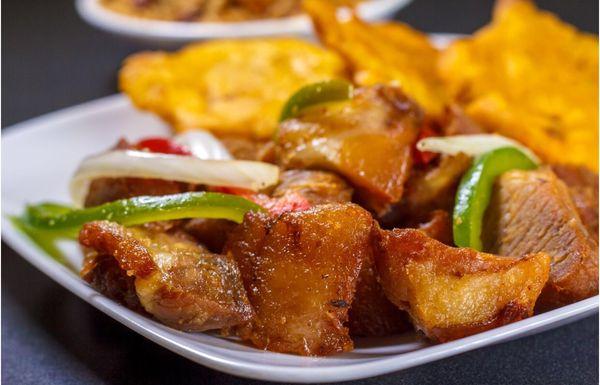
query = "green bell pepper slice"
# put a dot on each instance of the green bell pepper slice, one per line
(475, 189)
(316, 93)
(138, 210)
(46, 222)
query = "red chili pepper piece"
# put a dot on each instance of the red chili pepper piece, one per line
(424, 157)
(162, 146)
(275, 206)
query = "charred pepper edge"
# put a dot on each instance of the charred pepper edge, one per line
(475, 189)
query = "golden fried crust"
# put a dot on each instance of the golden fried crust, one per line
(389, 53)
(455, 292)
(178, 282)
(532, 211)
(226, 86)
(104, 274)
(368, 140)
(532, 77)
(300, 272)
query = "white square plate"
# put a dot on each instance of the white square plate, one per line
(38, 158)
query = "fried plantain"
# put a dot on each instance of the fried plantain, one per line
(226, 86)
(532, 77)
(452, 292)
(389, 53)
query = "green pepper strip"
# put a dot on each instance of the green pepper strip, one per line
(316, 93)
(43, 239)
(44, 223)
(475, 189)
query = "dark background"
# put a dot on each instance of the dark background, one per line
(51, 60)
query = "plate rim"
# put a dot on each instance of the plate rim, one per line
(351, 371)
(100, 17)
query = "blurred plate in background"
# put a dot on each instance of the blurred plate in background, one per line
(180, 32)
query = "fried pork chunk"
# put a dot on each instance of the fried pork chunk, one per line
(371, 313)
(317, 187)
(532, 211)
(177, 281)
(368, 140)
(583, 186)
(452, 292)
(300, 272)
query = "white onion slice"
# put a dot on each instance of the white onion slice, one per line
(203, 145)
(472, 145)
(140, 164)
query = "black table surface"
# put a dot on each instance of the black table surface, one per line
(51, 60)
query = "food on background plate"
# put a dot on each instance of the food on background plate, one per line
(229, 86)
(209, 10)
(346, 194)
(531, 77)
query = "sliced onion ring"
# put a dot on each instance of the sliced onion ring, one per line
(139, 164)
(472, 145)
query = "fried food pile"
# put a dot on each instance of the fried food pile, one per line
(357, 238)
(204, 10)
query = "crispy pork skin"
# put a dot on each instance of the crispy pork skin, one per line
(300, 272)
(367, 139)
(532, 211)
(455, 292)
(177, 281)
(371, 313)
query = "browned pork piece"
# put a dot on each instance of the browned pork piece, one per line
(317, 187)
(583, 186)
(300, 271)
(532, 211)
(455, 292)
(438, 226)
(103, 190)
(371, 313)
(367, 139)
(177, 281)
(434, 188)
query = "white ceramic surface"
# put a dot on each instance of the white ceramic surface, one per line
(38, 158)
(172, 31)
